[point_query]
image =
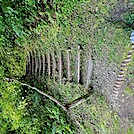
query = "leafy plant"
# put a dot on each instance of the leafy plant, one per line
(12, 107)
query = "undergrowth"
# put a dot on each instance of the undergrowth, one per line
(58, 24)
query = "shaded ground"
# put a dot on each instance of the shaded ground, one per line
(105, 77)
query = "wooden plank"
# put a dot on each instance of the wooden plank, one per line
(48, 64)
(54, 65)
(78, 65)
(89, 71)
(78, 101)
(32, 63)
(39, 58)
(36, 62)
(44, 66)
(60, 68)
(68, 65)
(28, 63)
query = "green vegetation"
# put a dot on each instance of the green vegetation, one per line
(98, 116)
(46, 26)
(24, 111)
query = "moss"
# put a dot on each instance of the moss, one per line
(129, 91)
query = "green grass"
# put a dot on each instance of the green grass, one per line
(94, 115)
(129, 91)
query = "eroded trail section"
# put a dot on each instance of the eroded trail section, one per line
(62, 67)
(69, 65)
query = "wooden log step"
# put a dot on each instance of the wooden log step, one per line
(53, 66)
(28, 64)
(89, 71)
(60, 68)
(73, 65)
(78, 65)
(36, 62)
(48, 64)
(68, 64)
(39, 64)
(44, 65)
(32, 62)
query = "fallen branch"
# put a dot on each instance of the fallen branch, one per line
(39, 91)
(78, 101)
(65, 107)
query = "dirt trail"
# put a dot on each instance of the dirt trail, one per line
(104, 78)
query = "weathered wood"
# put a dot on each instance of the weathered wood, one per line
(54, 66)
(89, 71)
(40, 64)
(39, 55)
(48, 64)
(36, 62)
(44, 66)
(68, 65)
(78, 101)
(28, 63)
(60, 68)
(78, 65)
(32, 61)
(27, 68)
